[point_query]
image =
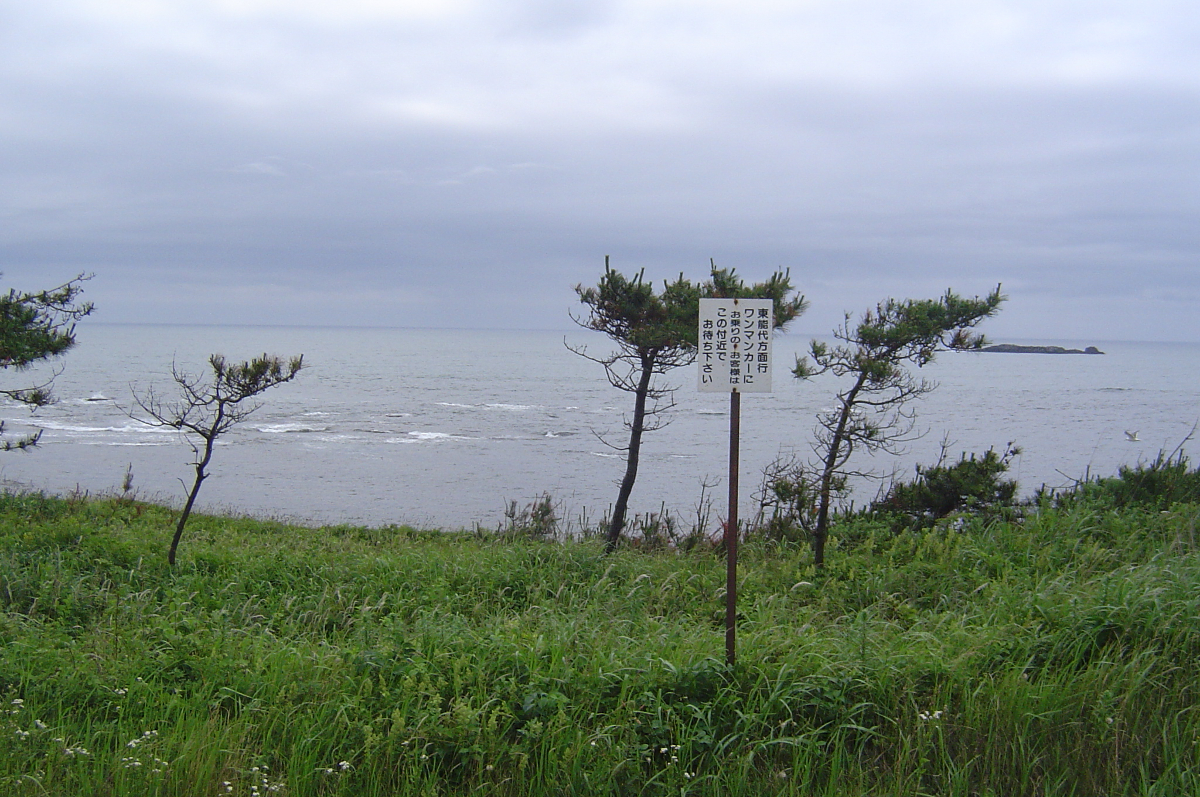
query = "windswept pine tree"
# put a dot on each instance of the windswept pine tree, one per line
(870, 413)
(209, 408)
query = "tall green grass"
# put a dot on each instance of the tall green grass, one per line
(1049, 655)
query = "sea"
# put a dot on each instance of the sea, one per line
(447, 428)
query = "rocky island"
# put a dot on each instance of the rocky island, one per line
(1012, 348)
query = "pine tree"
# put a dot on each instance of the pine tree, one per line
(870, 413)
(36, 327)
(209, 408)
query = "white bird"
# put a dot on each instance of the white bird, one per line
(1131, 436)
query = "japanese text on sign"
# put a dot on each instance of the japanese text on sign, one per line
(734, 351)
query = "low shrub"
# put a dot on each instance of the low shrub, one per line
(1168, 480)
(974, 484)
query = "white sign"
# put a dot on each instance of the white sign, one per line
(734, 351)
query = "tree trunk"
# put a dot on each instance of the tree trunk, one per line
(191, 499)
(631, 461)
(183, 517)
(831, 463)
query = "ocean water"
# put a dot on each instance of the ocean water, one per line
(442, 428)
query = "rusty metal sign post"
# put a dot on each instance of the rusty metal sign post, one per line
(734, 357)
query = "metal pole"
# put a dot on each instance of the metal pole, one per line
(731, 529)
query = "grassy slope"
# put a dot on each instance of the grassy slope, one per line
(1060, 653)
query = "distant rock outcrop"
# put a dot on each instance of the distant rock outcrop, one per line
(1012, 348)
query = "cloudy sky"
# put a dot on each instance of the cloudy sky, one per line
(464, 163)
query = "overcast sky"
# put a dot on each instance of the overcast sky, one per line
(464, 163)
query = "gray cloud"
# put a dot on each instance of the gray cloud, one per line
(466, 163)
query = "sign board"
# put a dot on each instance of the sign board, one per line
(734, 351)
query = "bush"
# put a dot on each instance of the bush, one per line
(973, 484)
(789, 496)
(1159, 485)
(537, 521)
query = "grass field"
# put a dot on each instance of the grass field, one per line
(1053, 653)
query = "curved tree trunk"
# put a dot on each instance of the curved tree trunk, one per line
(191, 499)
(183, 517)
(831, 465)
(617, 524)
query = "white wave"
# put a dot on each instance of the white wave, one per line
(605, 454)
(494, 405)
(139, 428)
(315, 414)
(101, 443)
(418, 437)
(283, 428)
(397, 415)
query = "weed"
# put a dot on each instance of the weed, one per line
(1021, 658)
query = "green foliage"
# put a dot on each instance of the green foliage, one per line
(640, 319)
(36, 327)
(971, 485)
(1159, 485)
(537, 520)
(1023, 658)
(724, 283)
(789, 498)
(663, 326)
